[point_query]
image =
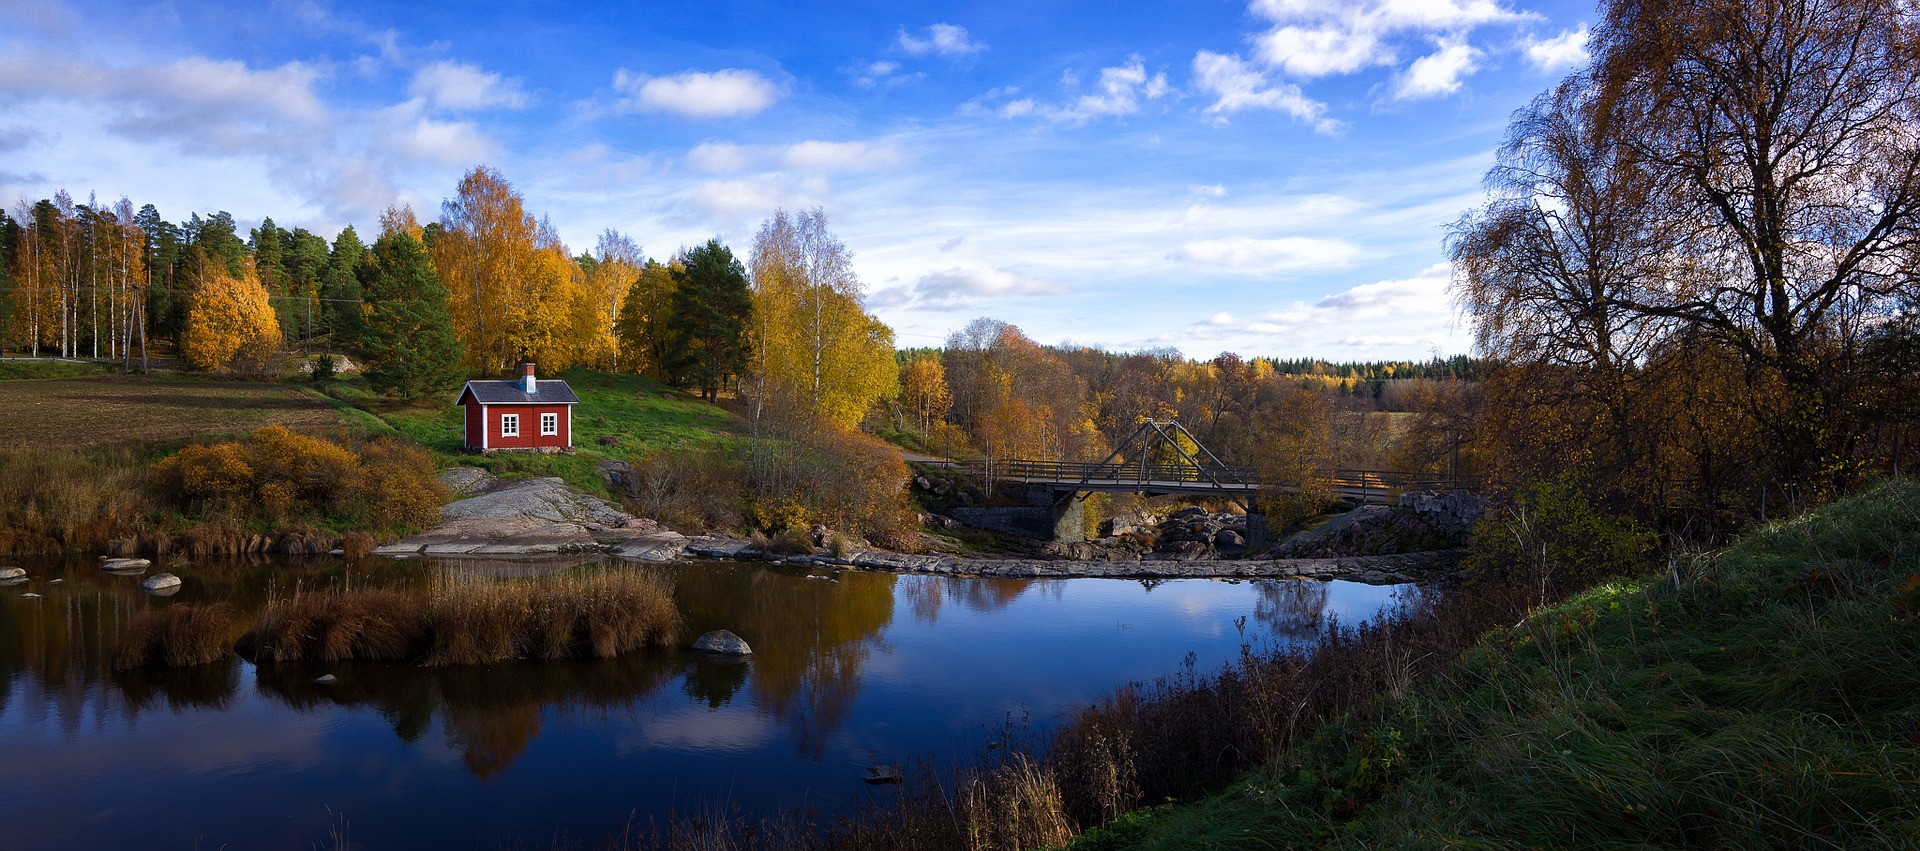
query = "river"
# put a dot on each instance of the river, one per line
(851, 669)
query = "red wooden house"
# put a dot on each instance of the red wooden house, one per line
(524, 414)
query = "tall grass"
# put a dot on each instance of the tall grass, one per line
(465, 620)
(53, 500)
(1762, 697)
(179, 635)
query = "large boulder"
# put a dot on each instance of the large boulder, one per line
(722, 642)
(161, 583)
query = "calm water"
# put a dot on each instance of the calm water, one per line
(848, 672)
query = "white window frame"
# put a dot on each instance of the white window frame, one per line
(509, 425)
(549, 424)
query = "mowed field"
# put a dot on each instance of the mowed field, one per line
(77, 412)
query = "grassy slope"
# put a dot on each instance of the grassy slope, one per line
(71, 413)
(643, 415)
(1768, 696)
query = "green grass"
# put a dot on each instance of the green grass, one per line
(642, 415)
(1767, 696)
(21, 370)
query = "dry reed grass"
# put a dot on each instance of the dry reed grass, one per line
(179, 635)
(53, 500)
(470, 621)
(333, 626)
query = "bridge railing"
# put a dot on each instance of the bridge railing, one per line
(1366, 485)
(1070, 471)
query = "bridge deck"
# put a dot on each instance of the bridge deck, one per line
(1364, 486)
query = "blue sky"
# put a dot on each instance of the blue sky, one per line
(1270, 178)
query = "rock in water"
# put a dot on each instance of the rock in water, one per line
(883, 774)
(7, 573)
(160, 582)
(29, 596)
(126, 565)
(326, 679)
(724, 642)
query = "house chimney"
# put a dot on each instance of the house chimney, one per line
(527, 384)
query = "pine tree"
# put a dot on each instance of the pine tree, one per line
(711, 310)
(408, 336)
(340, 305)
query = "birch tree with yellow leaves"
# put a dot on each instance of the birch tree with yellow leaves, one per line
(515, 290)
(816, 349)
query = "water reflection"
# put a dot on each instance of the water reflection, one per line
(811, 638)
(926, 594)
(1291, 610)
(835, 677)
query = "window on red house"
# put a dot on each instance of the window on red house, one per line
(509, 425)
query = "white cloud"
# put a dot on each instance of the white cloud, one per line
(1121, 89)
(1438, 73)
(1316, 39)
(882, 74)
(1417, 301)
(1268, 256)
(1236, 85)
(940, 40)
(807, 156)
(840, 156)
(727, 93)
(453, 143)
(462, 86)
(1566, 50)
(957, 288)
(1321, 51)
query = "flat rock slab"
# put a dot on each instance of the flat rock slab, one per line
(658, 547)
(521, 517)
(1372, 570)
(722, 642)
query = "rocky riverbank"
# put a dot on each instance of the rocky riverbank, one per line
(532, 518)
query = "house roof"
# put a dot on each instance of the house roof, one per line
(553, 392)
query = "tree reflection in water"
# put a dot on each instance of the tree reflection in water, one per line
(926, 594)
(810, 638)
(1291, 608)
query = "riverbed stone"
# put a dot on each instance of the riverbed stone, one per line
(326, 679)
(662, 546)
(125, 564)
(522, 517)
(7, 573)
(723, 642)
(160, 582)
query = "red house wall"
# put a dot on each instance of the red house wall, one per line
(474, 425)
(529, 426)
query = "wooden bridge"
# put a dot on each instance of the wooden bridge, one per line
(1161, 462)
(1375, 487)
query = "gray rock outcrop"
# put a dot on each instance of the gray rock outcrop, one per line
(523, 517)
(723, 642)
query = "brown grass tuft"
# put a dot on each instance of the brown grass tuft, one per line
(367, 623)
(474, 621)
(178, 635)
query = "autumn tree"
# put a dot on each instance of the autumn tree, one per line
(408, 333)
(814, 344)
(711, 309)
(230, 322)
(611, 272)
(514, 287)
(923, 390)
(1789, 130)
(646, 341)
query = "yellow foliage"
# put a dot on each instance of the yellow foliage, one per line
(514, 291)
(275, 473)
(230, 323)
(813, 340)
